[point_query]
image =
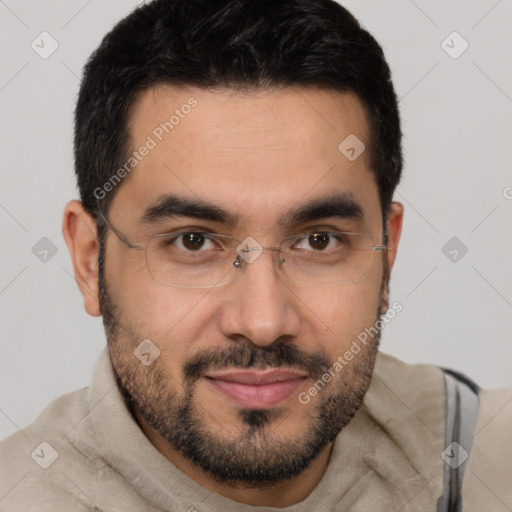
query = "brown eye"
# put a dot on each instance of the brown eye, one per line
(319, 241)
(193, 241)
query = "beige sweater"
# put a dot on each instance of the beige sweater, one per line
(94, 456)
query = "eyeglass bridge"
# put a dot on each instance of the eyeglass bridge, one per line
(240, 259)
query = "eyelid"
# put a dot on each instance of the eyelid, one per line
(178, 235)
(188, 229)
(303, 231)
(324, 229)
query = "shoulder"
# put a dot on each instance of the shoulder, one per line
(488, 476)
(415, 396)
(405, 405)
(400, 370)
(31, 467)
(415, 391)
(495, 411)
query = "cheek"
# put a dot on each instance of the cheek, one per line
(340, 314)
(167, 312)
(172, 318)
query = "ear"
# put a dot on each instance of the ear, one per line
(394, 230)
(80, 233)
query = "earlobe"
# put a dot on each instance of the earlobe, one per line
(80, 234)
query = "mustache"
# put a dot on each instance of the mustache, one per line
(249, 356)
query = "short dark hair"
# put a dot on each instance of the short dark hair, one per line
(235, 44)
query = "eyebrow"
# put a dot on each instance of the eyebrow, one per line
(341, 205)
(172, 206)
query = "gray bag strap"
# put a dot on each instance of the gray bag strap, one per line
(461, 417)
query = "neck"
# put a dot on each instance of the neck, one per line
(280, 494)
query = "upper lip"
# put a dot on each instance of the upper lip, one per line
(257, 377)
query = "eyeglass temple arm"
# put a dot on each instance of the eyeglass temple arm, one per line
(118, 233)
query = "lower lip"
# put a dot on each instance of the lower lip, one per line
(256, 396)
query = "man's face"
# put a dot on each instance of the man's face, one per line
(258, 156)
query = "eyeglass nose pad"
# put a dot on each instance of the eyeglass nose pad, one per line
(239, 260)
(278, 256)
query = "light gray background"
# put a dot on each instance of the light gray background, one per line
(457, 124)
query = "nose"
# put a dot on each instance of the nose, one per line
(261, 306)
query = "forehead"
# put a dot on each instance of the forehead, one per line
(258, 154)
